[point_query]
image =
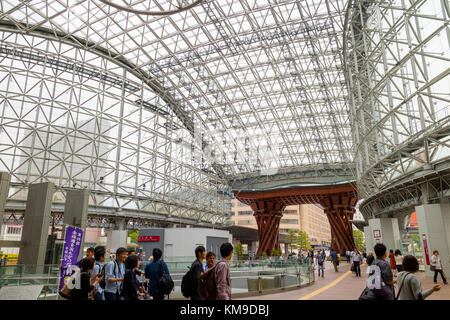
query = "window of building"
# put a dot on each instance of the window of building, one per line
(14, 230)
(290, 221)
(240, 204)
(245, 213)
(245, 222)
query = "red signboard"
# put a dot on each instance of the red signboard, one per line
(148, 239)
(425, 247)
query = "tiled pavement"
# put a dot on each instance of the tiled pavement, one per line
(343, 285)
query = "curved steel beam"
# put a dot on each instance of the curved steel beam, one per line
(151, 13)
(118, 59)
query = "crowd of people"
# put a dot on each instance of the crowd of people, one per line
(118, 279)
(208, 280)
(400, 271)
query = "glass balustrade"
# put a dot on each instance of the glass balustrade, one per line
(247, 276)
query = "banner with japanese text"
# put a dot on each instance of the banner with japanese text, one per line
(72, 246)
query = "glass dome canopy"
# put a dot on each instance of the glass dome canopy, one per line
(260, 83)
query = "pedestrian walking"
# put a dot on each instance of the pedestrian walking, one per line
(398, 260)
(99, 255)
(320, 262)
(436, 264)
(114, 273)
(348, 254)
(370, 259)
(153, 274)
(89, 253)
(132, 252)
(392, 263)
(356, 263)
(379, 285)
(196, 271)
(85, 284)
(222, 272)
(210, 261)
(334, 259)
(131, 285)
(409, 287)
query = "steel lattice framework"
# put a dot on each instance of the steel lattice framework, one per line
(398, 66)
(167, 114)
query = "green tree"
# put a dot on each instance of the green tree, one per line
(133, 234)
(303, 240)
(292, 239)
(358, 237)
(239, 250)
(276, 252)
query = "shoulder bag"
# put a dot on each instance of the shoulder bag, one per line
(400, 289)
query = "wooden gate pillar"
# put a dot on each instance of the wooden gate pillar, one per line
(268, 214)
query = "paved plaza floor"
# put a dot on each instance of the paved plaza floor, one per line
(344, 285)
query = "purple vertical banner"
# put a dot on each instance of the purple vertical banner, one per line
(72, 246)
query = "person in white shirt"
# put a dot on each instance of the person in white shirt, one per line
(436, 262)
(398, 260)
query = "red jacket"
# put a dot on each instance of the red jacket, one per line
(392, 261)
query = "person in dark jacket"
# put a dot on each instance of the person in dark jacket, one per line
(370, 258)
(153, 273)
(131, 285)
(86, 283)
(334, 259)
(196, 271)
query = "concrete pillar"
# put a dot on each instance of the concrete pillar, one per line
(388, 231)
(76, 211)
(368, 239)
(118, 237)
(36, 224)
(4, 189)
(434, 223)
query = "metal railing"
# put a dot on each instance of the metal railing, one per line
(247, 277)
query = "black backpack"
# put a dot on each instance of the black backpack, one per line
(165, 283)
(186, 284)
(102, 282)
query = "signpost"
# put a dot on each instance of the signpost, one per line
(377, 236)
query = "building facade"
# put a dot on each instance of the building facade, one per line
(307, 217)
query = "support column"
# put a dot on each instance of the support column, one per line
(434, 223)
(369, 239)
(36, 224)
(385, 231)
(268, 214)
(76, 211)
(4, 189)
(118, 237)
(339, 210)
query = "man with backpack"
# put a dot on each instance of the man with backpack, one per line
(99, 254)
(196, 271)
(114, 274)
(222, 272)
(155, 271)
(381, 279)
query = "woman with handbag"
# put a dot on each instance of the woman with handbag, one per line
(408, 284)
(84, 288)
(436, 266)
